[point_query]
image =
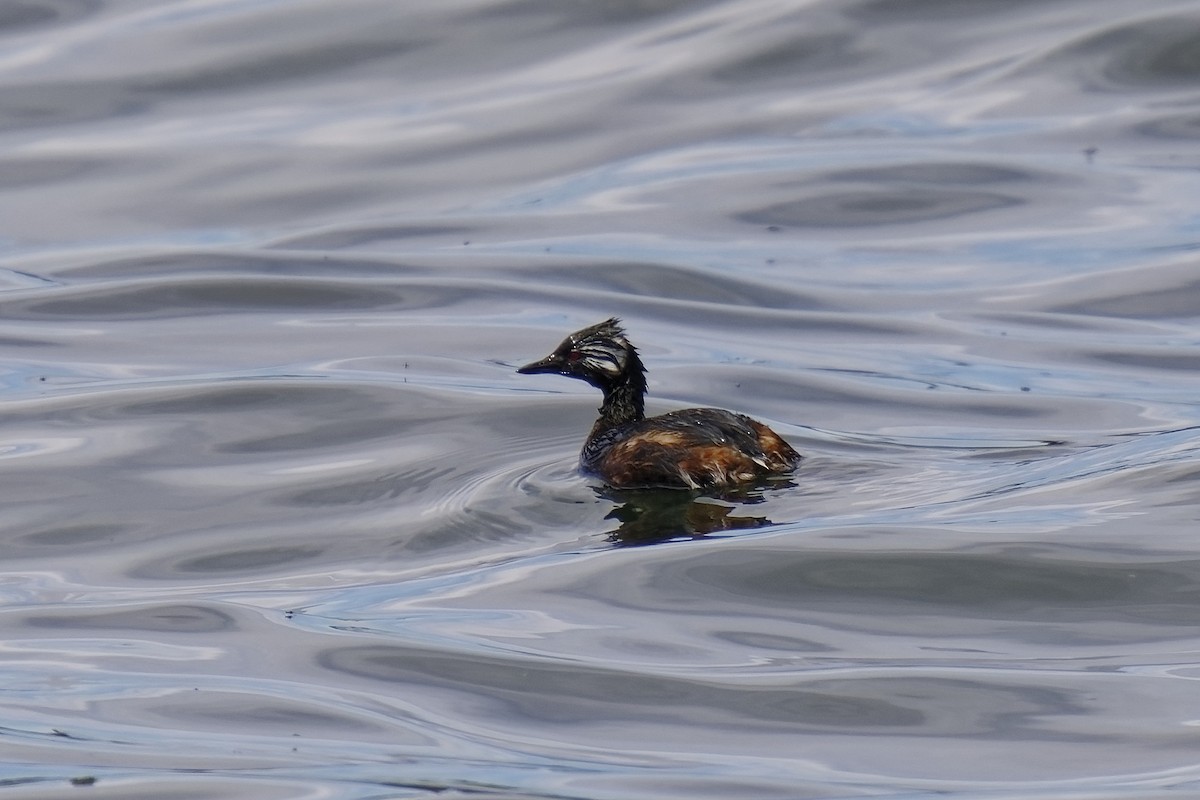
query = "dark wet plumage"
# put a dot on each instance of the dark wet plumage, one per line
(695, 448)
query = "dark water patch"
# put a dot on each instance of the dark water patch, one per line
(6, 341)
(878, 207)
(1187, 476)
(588, 15)
(157, 618)
(938, 579)
(57, 782)
(1158, 53)
(763, 325)
(1018, 598)
(1172, 126)
(18, 173)
(71, 535)
(55, 104)
(943, 10)
(1136, 301)
(238, 398)
(681, 284)
(324, 434)
(208, 264)
(244, 561)
(374, 489)
(162, 299)
(316, 416)
(360, 236)
(559, 694)
(1171, 359)
(767, 641)
(251, 553)
(298, 64)
(940, 174)
(985, 586)
(802, 58)
(18, 15)
(253, 203)
(825, 399)
(1070, 322)
(216, 711)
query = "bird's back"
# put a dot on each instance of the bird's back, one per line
(692, 448)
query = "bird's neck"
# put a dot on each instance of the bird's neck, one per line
(622, 404)
(624, 398)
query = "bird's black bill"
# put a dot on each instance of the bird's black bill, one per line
(547, 364)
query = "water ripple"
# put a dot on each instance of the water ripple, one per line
(281, 520)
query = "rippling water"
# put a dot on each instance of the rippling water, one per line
(280, 520)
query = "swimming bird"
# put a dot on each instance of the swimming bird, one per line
(694, 448)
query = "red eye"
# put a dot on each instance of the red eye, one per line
(574, 355)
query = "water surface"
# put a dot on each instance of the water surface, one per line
(281, 521)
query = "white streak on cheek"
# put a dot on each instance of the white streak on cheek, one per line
(604, 359)
(606, 365)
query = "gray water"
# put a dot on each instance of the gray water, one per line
(280, 521)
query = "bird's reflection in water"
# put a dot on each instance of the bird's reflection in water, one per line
(649, 516)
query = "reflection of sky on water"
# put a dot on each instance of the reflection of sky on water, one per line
(282, 505)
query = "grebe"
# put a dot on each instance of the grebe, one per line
(695, 448)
